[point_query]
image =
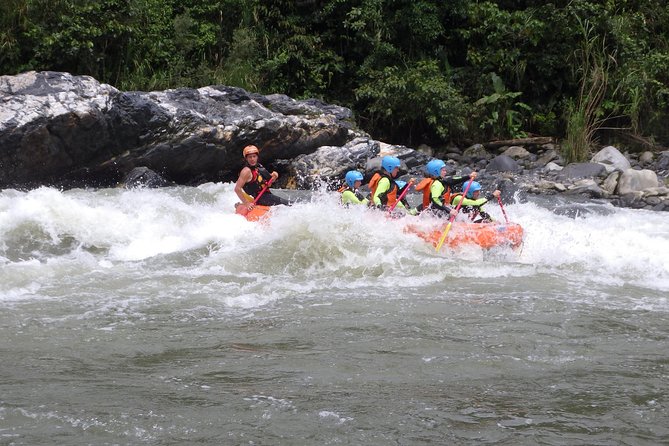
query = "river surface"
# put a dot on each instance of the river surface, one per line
(158, 317)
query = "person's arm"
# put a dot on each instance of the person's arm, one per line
(244, 177)
(457, 181)
(379, 198)
(475, 203)
(348, 196)
(436, 192)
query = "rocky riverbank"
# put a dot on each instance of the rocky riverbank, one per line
(71, 131)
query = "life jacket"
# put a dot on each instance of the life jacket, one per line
(259, 177)
(426, 185)
(390, 196)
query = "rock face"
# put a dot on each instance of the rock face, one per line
(67, 130)
(63, 130)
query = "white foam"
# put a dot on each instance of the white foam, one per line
(310, 246)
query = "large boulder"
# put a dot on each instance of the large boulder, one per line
(56, 128)
(329, 164)
(610, 156)
(503, 163)
(632, 181)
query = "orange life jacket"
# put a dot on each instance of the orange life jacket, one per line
(454, 196)
(425, 185)
(391, 195)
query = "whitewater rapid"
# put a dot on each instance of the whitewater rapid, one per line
(46, 232)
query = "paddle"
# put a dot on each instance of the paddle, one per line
(264, 189)
(406, 189)
(255, 201)
(499, 199)
(450, 220)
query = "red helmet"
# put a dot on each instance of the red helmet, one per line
(248, 150)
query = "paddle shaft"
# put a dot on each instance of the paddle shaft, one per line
(271, 180)
(406, 189)
(450, 220)
(499, 200)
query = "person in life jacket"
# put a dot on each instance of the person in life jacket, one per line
(437, 187)
(252, 180)
(349, 191)
(473, 202)
(384, 187)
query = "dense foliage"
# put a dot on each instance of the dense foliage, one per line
(413, 71)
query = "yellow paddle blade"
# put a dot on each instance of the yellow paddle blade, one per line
(443, 236)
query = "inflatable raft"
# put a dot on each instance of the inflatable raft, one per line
(258, 212)
(485, 235)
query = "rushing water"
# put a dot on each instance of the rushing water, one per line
(160, 317)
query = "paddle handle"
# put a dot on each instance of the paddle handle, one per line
(406, 189)
(450, 220)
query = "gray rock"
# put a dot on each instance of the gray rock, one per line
(587, 187)
(503, 163)
(476, 152)
(611, 183)
(552, 167)
(517, 152)
(646, 158)
(56, 128)
(546, 157)
(662, 161)
(611, 156)
(329, 164)
(582, 170)
(632, 181)
(144, 177)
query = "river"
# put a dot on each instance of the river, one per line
(158, 317)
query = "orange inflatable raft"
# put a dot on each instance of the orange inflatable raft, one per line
(485, 235)
(258, 212)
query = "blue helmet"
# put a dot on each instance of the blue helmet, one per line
(351, 177)
(472, 188)
(389, 163)
(434, 167)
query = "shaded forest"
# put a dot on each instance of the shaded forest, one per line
(413, 71)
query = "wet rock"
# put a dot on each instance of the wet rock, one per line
(503, 163)
(144, 177)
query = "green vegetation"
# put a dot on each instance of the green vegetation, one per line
(413, 71)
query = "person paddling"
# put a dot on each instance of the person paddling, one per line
(252, 181)
(437, 188)
(386, 189)
(350, 193)
(473, 202)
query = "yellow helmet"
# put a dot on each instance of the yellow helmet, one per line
(248, 150)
